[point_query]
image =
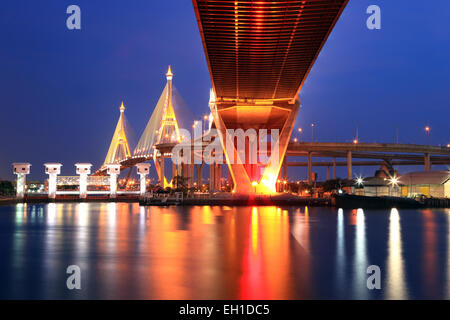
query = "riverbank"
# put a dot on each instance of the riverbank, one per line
(339, 201)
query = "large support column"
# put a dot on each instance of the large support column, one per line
(199, 168)
(113, 171)
(83, 169)
(212, 183)
(174, 170)
(349, 165)
(191, 175)
(310, 178)
(334, 168)
(143, 169)
(21, 170)
(161, 172)
(427, 162)
(233, 115)
(52, 169)
(218, 177)
(285, 169)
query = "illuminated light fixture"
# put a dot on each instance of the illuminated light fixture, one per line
(295, 139)
(355, 141)
(427, 128)
(393, 181)
(300, 130)
(254, 183)
(359, 181)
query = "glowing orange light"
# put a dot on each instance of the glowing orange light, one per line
(355, 141)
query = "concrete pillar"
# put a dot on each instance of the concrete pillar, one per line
(218, 176)
(174, 170)
(349, 165)
(161, 171)
(310, 178)
(199, 168)
(83, 169)
(143, 169)
(52, 169)
(191, 175)
(185, 171)
(21, 170)
(113, 171)
(211, 177)
(334, 168)
(285, 169)
(427, 162)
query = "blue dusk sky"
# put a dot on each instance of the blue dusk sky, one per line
(61, 89)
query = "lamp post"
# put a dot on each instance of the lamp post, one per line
(300, 131)
(312, 132)
(427, 130)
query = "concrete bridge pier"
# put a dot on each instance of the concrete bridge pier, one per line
(52, 169)
(427, 162)
(199, 168)
(334, 168)
(310, 178)
(349, 165)
(21, 170)
(113, 170)
(218, 176)
(212, 180)
(143, 169)
(190, 175)
(161, 171)
(83, 169)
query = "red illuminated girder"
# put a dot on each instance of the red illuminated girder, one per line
(250, 178)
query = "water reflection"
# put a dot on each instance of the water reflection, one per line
(127, 251)
(430, 261)
(396, 287)
(340, 252)
(360, 263)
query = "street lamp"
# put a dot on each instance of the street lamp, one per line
(300, 131)
(254, 184)
(427, 130)
(312, 132)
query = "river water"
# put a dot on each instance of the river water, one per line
(125, 251)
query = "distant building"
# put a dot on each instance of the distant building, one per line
(377, 187)
(434, 184)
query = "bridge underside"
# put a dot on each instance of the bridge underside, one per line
(259, 54)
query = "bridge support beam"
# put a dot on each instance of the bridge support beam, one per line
(277, 117)
(212, 181)
(349, 165)
(83, 169)
(334, 168)
(218, 176)
(427, 162)
(113, 171)
(199, 168)
(310, 177)
(21, 170)
(143, 169)
(162, 176)
(52, 169)
(191, 175)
